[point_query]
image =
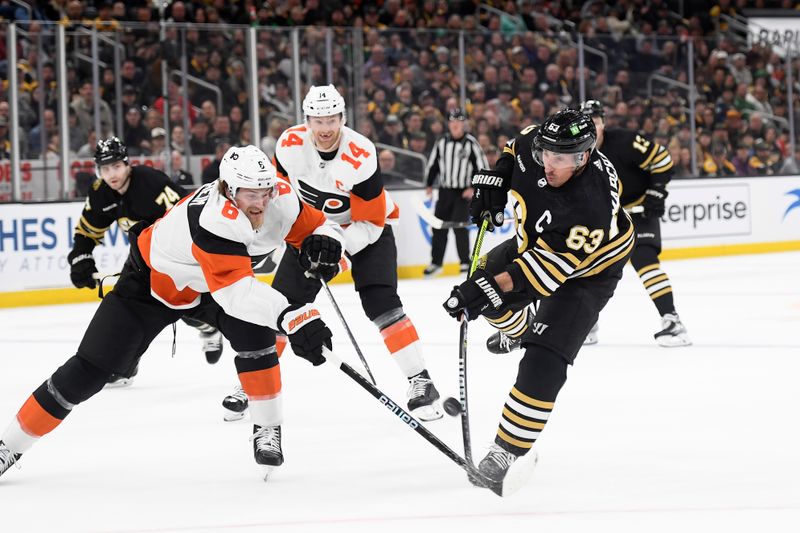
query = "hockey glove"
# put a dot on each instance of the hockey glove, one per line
(306, 331)
(490, 198)
(320, 256)
(653, 203)
(478, 294)
(82, 270)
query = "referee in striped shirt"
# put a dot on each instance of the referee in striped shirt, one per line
(453, 160)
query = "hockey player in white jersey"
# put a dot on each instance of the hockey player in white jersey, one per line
(335, 169)
(196, 262)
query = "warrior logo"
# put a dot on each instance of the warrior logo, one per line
(327, 202)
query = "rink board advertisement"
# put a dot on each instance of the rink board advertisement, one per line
(703, 217)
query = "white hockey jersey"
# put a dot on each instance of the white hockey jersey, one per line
(348, 188)
(205, 244)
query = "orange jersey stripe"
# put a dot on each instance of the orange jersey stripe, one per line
(34, 420)
(399, 335)
(222, 270)
(373, 211)
(309, 219)
(395, 214)
(262, 384)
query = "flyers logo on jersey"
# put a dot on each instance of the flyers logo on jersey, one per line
(300, 319)
(325, 201)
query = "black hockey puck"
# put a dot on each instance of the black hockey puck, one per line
(452, 406)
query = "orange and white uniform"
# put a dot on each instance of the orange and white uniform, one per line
(348, 188)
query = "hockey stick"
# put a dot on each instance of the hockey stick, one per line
(508, 486)
(462, 352)
(435, 222)
(347, 328)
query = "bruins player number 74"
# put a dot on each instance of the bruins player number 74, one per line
(572, 241)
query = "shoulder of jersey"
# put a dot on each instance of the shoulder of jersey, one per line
(216, 217)
(297, 135)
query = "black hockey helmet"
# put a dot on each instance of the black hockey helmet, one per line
(110, 151)
(565, 132)
(593, 108)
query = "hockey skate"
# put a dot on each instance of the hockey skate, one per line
(267, 448)
(431, 270)
(503, 467)
(118, 381)
(591, 337)
(7, 458)
(501, 344)
(235, 405)
(673, 332)
(423, 398)
(212, 345)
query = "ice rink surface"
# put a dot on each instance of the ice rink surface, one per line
(642, 438)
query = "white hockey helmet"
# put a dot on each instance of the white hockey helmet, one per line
(247, 167)
(323, 101)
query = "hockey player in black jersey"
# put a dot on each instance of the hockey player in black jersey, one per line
(125, 194)
(645, 169)
(572, 241)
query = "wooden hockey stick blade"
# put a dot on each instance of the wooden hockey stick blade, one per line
(434, 221)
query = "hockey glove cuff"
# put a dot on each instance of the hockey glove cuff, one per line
(653, 203)
(475, 296)
(490, 198)
(306, 331)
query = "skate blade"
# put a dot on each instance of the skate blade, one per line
(266, 472)
(428, 413)
(590, 339)
(119, 384)
(233, 416)
(673, 341)
(519, 473)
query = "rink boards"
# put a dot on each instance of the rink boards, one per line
(704, 217)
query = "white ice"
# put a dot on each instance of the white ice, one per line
(642, 438)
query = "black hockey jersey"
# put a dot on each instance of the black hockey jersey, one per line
(576, 230)
(150, 194)
(640, 163)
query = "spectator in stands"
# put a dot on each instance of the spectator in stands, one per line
(208, 110)
(741, 159)
(245, 134)
(158, 144)
(83, 104)
(135, 134)
(49, 127)
(222, 127)
(87, 150)
(179, 175)
(200, 143)
(236, 118)
(764, 162)
(718, 165)
(211, 172)
(791, 165)
(177, 139)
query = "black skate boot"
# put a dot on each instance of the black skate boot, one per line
(673, 332)
(235, 405)
(423, 398)
(501, 344)
(212, 345)
(267, 448)
(118, 381)
(496, 463)
(7, 458)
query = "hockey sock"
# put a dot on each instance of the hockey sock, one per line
(260, 376)
(512, 323)
(541, 375)
(401, 339)
(280, 343)
(658, 286)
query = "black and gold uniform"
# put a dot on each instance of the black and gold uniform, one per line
(572, 241)
(645, 169)
(150, 194)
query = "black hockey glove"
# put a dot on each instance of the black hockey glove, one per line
(653, 203)
(306, 331)
(490, 198)
(478, 294)
(320, 256)
(82, 270)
